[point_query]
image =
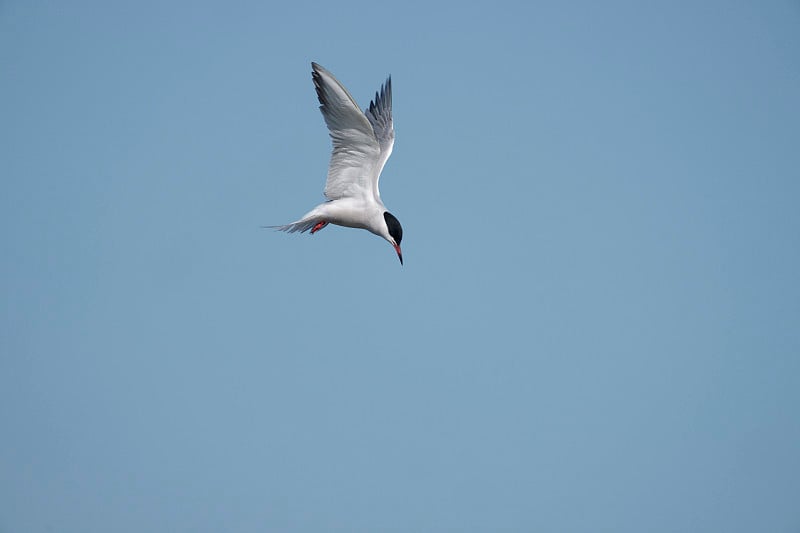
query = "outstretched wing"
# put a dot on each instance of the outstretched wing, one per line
(356, 158)
(379, 114)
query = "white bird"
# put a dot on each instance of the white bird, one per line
(362, 142)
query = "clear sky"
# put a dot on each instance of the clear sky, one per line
(597, 327)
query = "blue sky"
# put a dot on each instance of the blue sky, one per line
(597, 326)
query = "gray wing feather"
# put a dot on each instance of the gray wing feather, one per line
(356, 153)
(379, 114)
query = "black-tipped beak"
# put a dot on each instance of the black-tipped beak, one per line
(399, 252)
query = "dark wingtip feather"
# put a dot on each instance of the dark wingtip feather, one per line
(383, 97)
(316, 77)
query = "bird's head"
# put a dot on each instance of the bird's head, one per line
(395, 233)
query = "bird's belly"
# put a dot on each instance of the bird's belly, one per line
(351, 214)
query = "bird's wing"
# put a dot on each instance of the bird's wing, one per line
(379, 114)
(356, 159)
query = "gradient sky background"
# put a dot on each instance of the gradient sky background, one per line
(597, 327)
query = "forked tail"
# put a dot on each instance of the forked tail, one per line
(301, 226)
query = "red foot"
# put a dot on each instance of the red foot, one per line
(319, 226)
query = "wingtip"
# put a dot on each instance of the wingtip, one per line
(316, 72)
(318, 69)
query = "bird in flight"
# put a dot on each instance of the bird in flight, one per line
(362, 142)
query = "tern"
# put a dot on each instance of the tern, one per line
(362, 142)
